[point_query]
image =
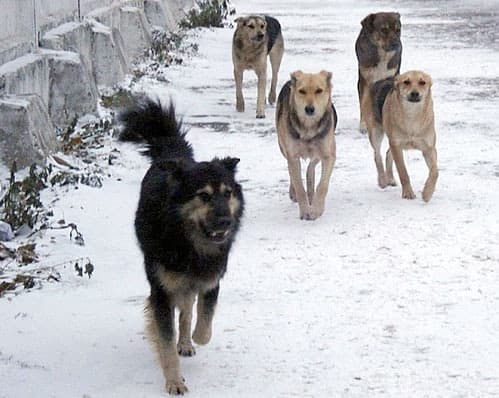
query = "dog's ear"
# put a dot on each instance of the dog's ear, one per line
(241, 21)
(397, 16)
(295, 76)
(398, 80)
(368, 22)
(327, 75)
(230, 163)
(428, 79)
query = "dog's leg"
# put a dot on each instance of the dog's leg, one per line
(261, 74)
(398, 157)
(311, 179)
(161, 331)
(376, 138)
(292, 192)
(275, 56)
(322, 188)
(184, 345)
(206, 309)
(390, 180)
(363, 103)
(430, 156)
(294, 168)
(238, 77)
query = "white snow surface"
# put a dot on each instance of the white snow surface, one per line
(380, 297)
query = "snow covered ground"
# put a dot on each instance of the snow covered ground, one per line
(380, 297)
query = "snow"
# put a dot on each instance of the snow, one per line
(61, 30)
(380, 297)
(13, 66)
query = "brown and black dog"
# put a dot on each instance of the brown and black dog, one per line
(306, 121)
(379, 53)
(255, 38)
(404, 111)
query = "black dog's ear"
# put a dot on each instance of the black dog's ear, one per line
(367, 22)
(175, 167)
(230, 163)
(241, 21)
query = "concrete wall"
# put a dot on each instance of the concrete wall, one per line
(54, 55)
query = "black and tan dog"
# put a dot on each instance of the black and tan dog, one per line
(379, 53)
(255, 38)
(306, 121)
(404, 111)
(187, 218)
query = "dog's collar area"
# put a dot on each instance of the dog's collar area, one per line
(323, 127)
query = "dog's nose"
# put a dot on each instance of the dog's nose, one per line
(414, 95)
(309, 110)
(223, 223)
(260, 36)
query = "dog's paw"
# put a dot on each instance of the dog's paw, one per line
(383, 181)
(391, 181)
(363, 127)
(306, 213)
(317, 210)
(176, 387)
(272, 98)
(408, 193)
(186, 349)
(201, 336)
(260, 115)
(427, 194)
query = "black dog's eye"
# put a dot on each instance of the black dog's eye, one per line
(204, 196)
(227, 193)
(385, 31)
(407, 82)
(302, 92)
(319, 91)
(422, 82)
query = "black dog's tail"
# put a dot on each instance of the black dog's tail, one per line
(147, 120)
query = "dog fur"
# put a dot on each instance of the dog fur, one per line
(254, 38)
(404, 111)
(187, 218)
(379, 53)
(306, 121)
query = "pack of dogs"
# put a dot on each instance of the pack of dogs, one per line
(189, 211)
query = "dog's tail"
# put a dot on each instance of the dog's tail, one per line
(147, 120)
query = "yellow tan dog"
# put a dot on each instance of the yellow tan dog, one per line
(306, 121)
(404, 110)
(255, 38)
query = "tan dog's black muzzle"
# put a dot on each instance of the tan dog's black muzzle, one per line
(414, 96)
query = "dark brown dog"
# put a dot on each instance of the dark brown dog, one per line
(379, 53)
(255, 38)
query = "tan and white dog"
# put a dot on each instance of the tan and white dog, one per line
(404, 111)
(306, 121)
(255, 38)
